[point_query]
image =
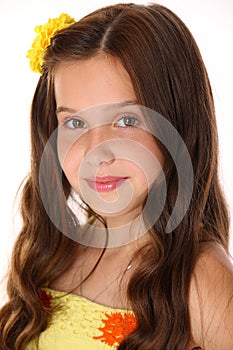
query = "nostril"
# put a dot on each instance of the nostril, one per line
(110, 161)
(99, 156)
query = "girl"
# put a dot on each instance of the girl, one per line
(122, 108)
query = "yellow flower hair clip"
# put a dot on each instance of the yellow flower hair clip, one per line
(43, 39)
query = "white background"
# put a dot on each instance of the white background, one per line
(210, 21)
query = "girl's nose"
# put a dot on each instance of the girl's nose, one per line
(99, 150)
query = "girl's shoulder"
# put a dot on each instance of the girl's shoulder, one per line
(211, 299)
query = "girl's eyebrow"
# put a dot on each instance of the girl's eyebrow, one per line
(65, 109)
(117, 104)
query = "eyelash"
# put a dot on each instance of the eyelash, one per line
(124, 117)
(128, 116)
(71, 121)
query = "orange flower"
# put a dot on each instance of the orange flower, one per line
(116, 328)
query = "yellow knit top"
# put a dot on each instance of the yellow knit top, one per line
(80, 324)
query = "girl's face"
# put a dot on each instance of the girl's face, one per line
(106, 152)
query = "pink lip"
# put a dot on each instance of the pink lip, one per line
(105, 183)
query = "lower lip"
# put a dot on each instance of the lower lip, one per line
(105, 186)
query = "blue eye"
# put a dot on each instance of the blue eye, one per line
(127, 121)
(75, 123)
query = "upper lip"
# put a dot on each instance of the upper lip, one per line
(105, 179)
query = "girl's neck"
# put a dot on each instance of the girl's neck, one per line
(96, 235)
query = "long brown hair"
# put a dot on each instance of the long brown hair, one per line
(169, 76)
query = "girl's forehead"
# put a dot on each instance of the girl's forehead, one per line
(94, 81)
(102, 64)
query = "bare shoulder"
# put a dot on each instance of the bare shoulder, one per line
(211, 299)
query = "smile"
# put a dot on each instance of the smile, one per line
(105, 183)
